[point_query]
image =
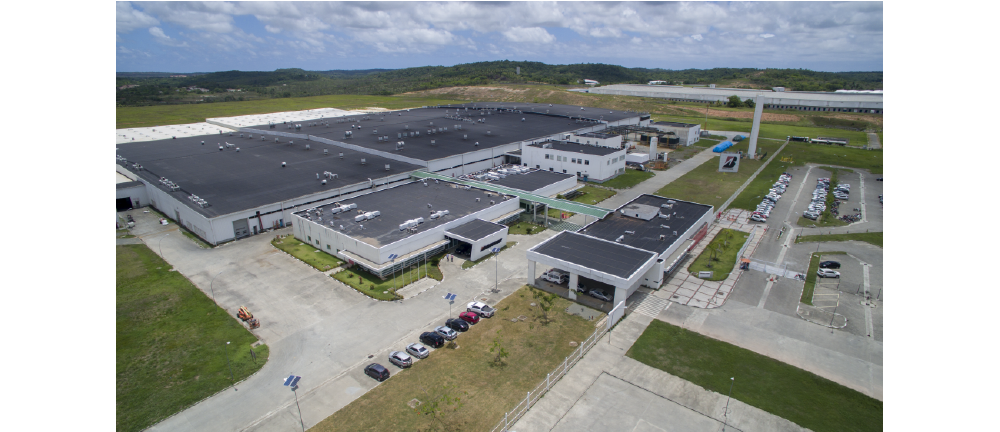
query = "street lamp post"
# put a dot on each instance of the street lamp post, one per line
(725, 416)
(230, 364)
(496, 256)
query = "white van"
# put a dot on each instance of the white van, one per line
(556, 276)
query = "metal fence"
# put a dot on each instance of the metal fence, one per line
(553, 377)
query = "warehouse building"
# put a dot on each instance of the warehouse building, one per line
(803, 101)
(587, 162)
(638, 245)
(686, 133)
(395, 227)
(234, 184)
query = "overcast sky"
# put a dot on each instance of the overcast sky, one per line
(262, 36)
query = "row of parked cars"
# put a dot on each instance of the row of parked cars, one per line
(773, 195)
(818, 203)
(560, 277)
(826, 269)
(434, 339)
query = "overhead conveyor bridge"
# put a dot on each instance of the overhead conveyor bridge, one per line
(570, 206)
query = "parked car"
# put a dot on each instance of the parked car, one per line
(432, 339)
(400, 359)
(758, 218)
(827, 273)
(601, 295)
(457, 324)
(481, 309)
(580, 288)
(878, 179)
(829, 265)
(555, 276)
(469, 317)
(446, 332)
(810, 215)
(418, 350)
(377, 371)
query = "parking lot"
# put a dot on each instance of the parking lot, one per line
(315, 326)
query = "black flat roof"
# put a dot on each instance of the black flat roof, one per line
(532, 181)
(573, 147)
(476, 229)
(233, 181)
(666, 123)
(504, 128)
(603, 256)
(647, 233)
(402, 203)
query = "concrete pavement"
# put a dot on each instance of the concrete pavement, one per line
(315, 326)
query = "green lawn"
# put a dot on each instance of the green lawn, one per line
(593, 195)
(522, 228)
(788, 392)
(874, 238)
(729, 241)
(123, 233)
(170, 346)
(306, 253)
(371, 286)
(485, 391)
(630, 178)
(706, 185)
(470, 264)
(130, 117)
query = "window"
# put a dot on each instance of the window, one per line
(317, 241)
(574, 160)
(578, 174)
(586, 162)
(327, 247)
(310, 238)
(550, 168)
(564, 171)
(538, 167)
(491, 244)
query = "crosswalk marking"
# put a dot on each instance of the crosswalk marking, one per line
(649, 305)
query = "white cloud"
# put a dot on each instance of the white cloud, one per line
(132, 52)
(697, 37)
(161, 37)
(636, 40)
(128, 18)
(766, 35)
(529, 35)
(272, 29)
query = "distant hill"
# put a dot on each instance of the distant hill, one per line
(156, 88)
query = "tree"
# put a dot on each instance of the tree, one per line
(734, 102)
(439, 408)
(749, 103)
(545, 301)
(499, 350)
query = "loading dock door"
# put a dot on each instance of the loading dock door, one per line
(122, 204)
(241, 228)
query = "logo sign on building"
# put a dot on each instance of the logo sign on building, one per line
(729, 162)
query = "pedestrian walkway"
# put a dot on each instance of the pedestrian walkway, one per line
(873, 142)
(687, 289)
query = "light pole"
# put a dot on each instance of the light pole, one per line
(496, 256)
(230, 364)
(393, 258)
(293, 382)
(160, 243)
(725, 416)
(211, 285)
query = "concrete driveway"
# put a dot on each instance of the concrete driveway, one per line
(315, 326)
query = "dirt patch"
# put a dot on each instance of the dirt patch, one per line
(738, 114)
(873, 119)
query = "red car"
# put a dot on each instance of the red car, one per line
(469, 317)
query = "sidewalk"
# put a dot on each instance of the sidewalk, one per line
(607, 391)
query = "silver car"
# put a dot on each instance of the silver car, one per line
(599, 295)
(400, 359)
(446, 332)
(827, 273)
(418, 350)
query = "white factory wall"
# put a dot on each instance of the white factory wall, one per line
(136, 193)
(687, 135)
(557, 187)
(453, 163)
(601, 168)
(477, 246)
(311, 232)
(612, 142)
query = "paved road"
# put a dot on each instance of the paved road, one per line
(315, 326)
(873, 142)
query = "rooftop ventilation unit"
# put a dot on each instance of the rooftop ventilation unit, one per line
(630, 232)
(341, 155)
(307, 146)
(387, 167)
(326, 151)
(282, 164)
(363, 161)
(465, 136)
(664, 216)
(620, 238)
(665, 226)
(432, 142)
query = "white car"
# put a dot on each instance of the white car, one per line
(827, 273)
(480, 308)
(446, 332)
(418, 350)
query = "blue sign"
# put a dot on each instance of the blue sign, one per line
(495, 250)
(292, 380)
(393, 256)
(450, 296)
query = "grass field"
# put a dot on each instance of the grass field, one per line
(729, 241)
(874, 238)
(130, 117)
(470, 264)
(706, 185)
(593, 195)
(788, 392)
(521, 228)
(170, 341)
(306, 253)
(371, 286)
(486, 391)
(630, 178)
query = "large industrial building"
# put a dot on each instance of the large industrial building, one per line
(249, 174)
(803, 101)
(638, 245)
(587, 162)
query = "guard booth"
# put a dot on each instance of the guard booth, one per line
(480, 236)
